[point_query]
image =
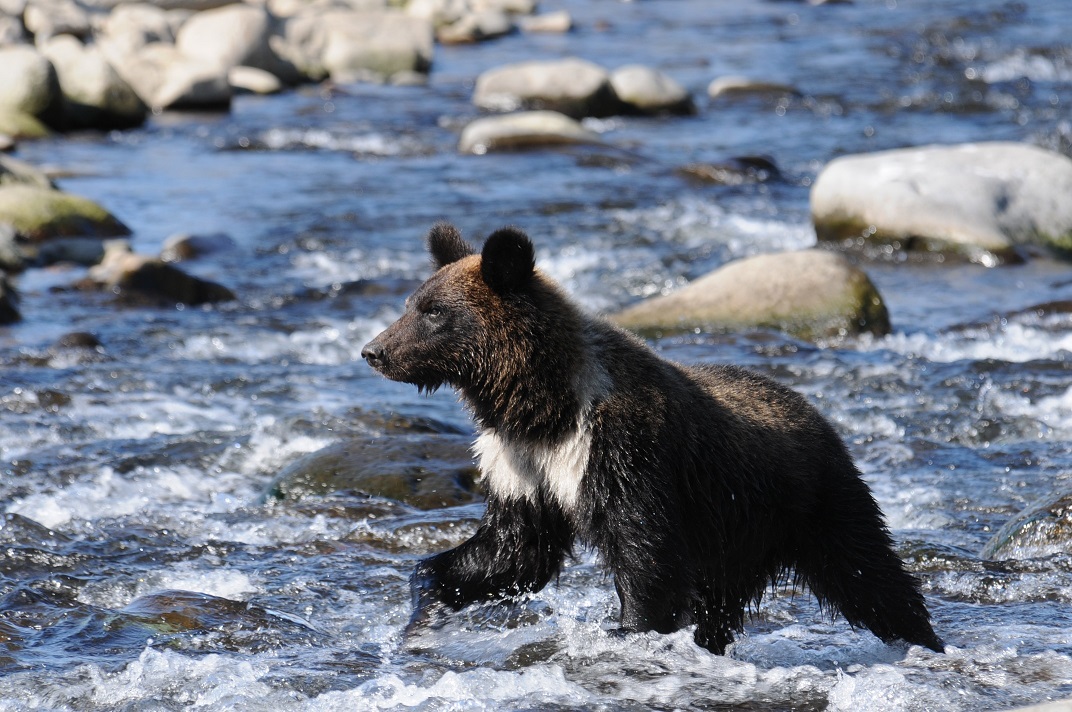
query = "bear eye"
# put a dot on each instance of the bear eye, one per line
(433, 312)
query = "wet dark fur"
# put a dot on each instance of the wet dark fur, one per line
(703, 486)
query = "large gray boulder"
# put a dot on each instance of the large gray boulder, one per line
(129, 27)
(989, 201)
(523, 130)
(95, 95)
(572, 86)
(811, 294)
(28, 83)
(165, 78)
(350, 45)
(48, 18)
(649, 91)
(233, 36)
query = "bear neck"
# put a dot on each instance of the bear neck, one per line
(537, 390)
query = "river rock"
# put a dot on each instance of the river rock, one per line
(649, 91)
(984, 200)
(141, 278)
(735, 86)
(810, 294)
(250, 80)
(233, 36)
(572, 86)
(183, 5)
(96, 96)
(13, 171)
(28, 84)
(1041, 529)
(12, 30)
(526, 129)
(423, 471)
(47, 18)
(476, 27)
(128, 28)
(16, 125)
(38, 214)
(736, 170)
(183, 246)
(165, 78)
(557, 22)
(9, 302)
(350, 45)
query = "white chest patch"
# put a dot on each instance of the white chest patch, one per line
(514, 471)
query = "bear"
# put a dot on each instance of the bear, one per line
(698, 486)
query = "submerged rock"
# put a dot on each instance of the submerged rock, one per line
(526, 129)
(142, 278)
(37, 214)
(572, 86)
(183, 246)
(9, 302)
(809, 294)
(424, 471)
(741, 87)
(984, 200)
(1041, 529)
(649, 91)
(737, 170)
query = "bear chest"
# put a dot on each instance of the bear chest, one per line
(511, 470)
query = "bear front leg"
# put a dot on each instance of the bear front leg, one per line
(518, 547)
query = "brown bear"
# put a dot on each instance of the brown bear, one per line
(699, 486)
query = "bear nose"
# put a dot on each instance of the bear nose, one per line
(373, 353)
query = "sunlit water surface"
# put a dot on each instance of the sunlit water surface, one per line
(142, 567)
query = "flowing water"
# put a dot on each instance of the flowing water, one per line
(143, 567)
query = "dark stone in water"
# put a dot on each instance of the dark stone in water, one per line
(17, 529)
(424, 471)
(734, 171)
(78, 340)
(1041, 529)
(174, 611)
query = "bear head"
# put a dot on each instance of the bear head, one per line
(488, 324)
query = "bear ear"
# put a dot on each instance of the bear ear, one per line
(446, 245)
(507, 260)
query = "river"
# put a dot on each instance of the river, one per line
(143, 567)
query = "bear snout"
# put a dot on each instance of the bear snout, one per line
(375, 354)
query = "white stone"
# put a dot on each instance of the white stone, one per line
(28, 82)
(992, 197)
(96, 95)
(742, 86)
(525, 129)
(571, 86)
(649, 90)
